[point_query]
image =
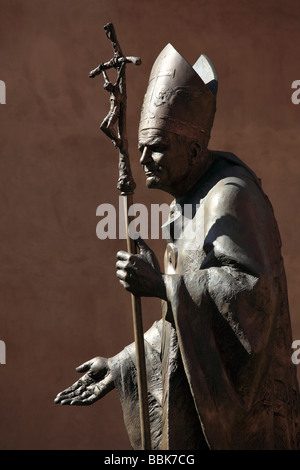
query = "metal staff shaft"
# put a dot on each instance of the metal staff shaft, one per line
(139, 343)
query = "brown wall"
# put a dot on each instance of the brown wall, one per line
(60, 303)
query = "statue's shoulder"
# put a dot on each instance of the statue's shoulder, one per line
(232, 185)
(230, 163)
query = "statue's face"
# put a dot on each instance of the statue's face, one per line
(165, 159)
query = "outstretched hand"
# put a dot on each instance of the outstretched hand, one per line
(140, 274)
(92, 386)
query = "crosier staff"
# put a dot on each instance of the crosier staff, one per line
(126, 185)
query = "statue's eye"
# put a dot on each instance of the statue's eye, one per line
(158, 149)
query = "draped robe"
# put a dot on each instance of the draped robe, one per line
(219, 368)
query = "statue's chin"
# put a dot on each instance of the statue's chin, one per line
(152, 181)
(155, 182)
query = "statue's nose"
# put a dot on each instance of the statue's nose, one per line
(146, 156)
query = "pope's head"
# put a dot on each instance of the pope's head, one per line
(176, 120)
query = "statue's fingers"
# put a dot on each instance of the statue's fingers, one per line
(66, 401)
(123, 275)
(66, 398)
(68, 390)
(124, 284)
(59, 396)
(63, 394)
(123, 255)
(85, 366)
(121, 264)
(81, 383)
(85, 402)
(73, 387)
(69, 399)
(80, 398)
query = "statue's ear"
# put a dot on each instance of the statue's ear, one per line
(195, 152)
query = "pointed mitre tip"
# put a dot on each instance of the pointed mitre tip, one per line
(169, 48)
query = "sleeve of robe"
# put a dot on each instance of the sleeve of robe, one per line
(232, 322)
(123, 367)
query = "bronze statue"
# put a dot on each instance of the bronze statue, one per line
(219, 369)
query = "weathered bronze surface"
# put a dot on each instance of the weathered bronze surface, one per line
(219, 367)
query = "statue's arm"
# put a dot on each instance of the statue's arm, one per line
(102, 374)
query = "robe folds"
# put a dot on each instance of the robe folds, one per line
(219, 368)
